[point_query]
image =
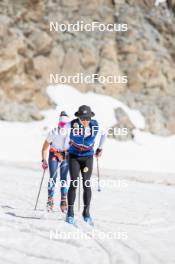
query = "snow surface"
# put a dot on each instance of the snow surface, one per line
(134, 216)
(158, 2)
(22, 142)
(134, 224)
(70, 99)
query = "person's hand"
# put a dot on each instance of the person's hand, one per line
(44, 165)
(98, 153)
(62, 155)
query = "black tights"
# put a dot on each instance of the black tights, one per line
(85, 165)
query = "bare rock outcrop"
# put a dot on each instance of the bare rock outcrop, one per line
(29, 52)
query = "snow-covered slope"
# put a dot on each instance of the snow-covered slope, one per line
(70, 99)
(133, 224)
(134, 219)
(22, 141)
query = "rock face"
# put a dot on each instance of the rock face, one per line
(146, 54)
(123, 130)
(29, 52)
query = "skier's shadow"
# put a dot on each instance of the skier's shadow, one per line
(14, 215)
(23, 217)
(6, 207)
(29, 217)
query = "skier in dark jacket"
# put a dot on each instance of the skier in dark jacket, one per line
(81, 136)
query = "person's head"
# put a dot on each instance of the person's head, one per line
(85, 121)
(63, 119)
(84, 114)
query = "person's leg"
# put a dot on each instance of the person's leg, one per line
(63, 182)
(63, 178)
(74, 169)
(86, 170)
(53, 165)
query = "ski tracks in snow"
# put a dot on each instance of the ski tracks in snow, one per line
(143, 211)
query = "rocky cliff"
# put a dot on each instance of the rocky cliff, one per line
(145, 53)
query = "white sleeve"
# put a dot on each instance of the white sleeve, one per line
(102, 139)
(67, 137)
(50, 136)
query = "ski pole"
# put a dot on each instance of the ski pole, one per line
(79, 194)
(98, 174)
(39, 189)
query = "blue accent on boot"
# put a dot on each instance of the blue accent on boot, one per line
(88, 220)
(69, 219)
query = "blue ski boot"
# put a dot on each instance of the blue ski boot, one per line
(69, 219)
(86, 216)
(88, 220)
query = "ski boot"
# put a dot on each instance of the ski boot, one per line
(86, 216)
(88, 220)
(70, 215)
(50, 204)
(69, 219)
(63, 204)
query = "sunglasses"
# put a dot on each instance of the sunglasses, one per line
(85, 118)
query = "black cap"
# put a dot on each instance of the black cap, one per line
(84, 111)
(63, 113)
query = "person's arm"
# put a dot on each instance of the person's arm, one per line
(44, 150)
(67, 136)
(49, 139)
(102, 140)
(99, 149)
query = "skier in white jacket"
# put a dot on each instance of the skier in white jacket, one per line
(57, 158)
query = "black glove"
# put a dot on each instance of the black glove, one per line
(98, 152)
(63, 154)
